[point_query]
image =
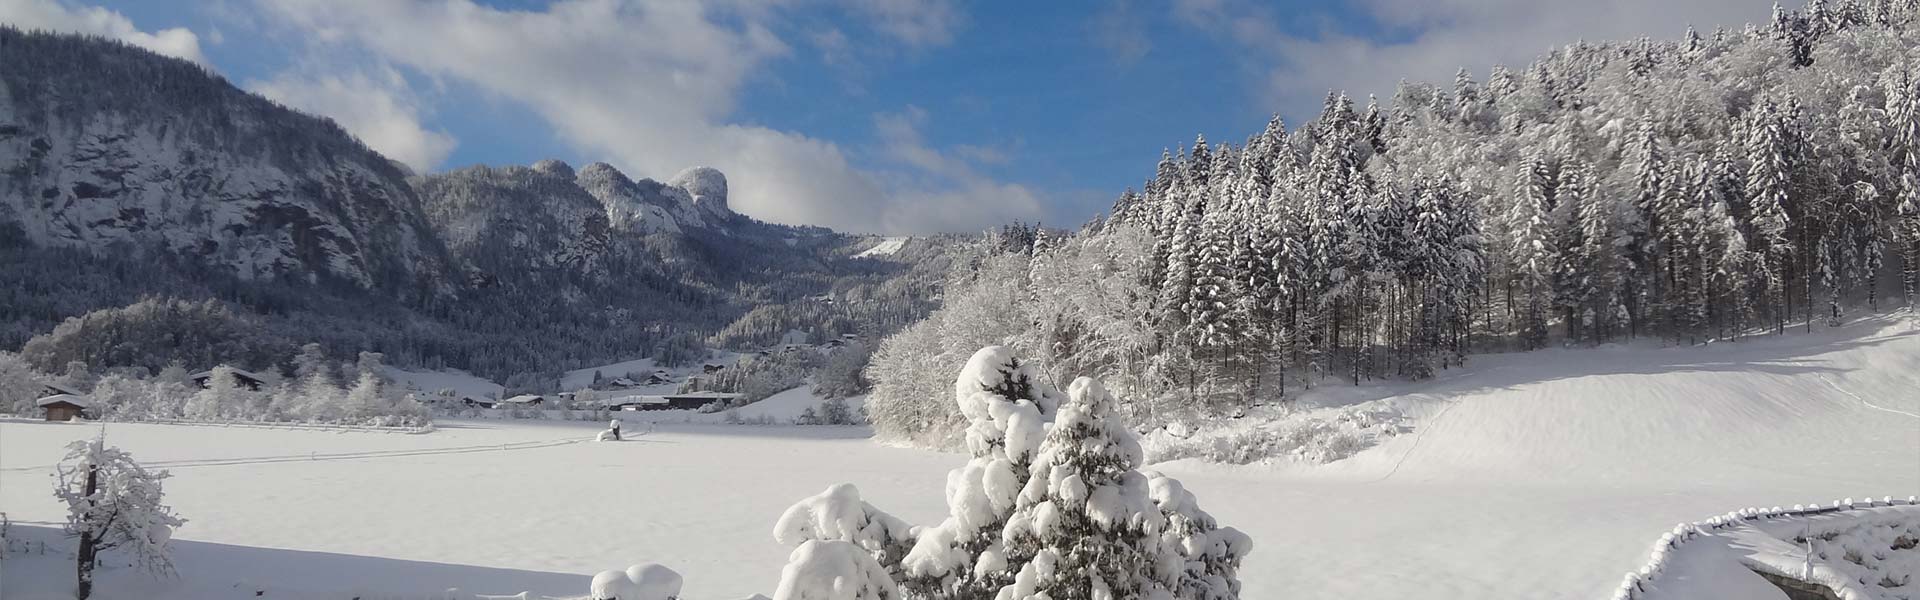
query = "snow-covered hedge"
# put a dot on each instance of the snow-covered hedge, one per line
(1638, 583)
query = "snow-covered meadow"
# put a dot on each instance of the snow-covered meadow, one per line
(1540, 475)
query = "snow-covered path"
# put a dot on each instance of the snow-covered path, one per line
(1549, 475)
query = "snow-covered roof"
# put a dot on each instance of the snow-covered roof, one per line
(634, 399)
(241, 373)
(55, 389)
(706, 395)
(524, 399)
(62, 398)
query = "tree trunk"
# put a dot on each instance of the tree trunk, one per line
(84, 565)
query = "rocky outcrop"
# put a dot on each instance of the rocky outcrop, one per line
(113, 149)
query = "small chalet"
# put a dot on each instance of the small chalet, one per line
(658, 378)
(63, 407)
(711, 368)
(473, 402)
(252, 381)
(623, 382)
(55, 389)
(524, 400)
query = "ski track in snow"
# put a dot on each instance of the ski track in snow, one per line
(1871, 405)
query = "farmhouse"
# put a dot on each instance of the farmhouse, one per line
(524, 400)
(252, 381)
(685, 401)
(63, 407)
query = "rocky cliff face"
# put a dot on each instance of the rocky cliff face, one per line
(110, 148)
(696, 199)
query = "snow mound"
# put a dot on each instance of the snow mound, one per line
(1851, 550)
(886, 247)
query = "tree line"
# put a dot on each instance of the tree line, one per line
(1693, 190)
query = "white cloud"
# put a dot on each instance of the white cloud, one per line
(1434, 38)
(916, 22)
(1122, 32)
(381, 111)
(652, 86)
(55, 16)
(948, 193)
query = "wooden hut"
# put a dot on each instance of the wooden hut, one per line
(63, 407)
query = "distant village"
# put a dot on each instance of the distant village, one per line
(690, 387)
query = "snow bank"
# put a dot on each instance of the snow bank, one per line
(1858, 550)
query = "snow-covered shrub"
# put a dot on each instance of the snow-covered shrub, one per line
(646, 581)
(19, 385)
(833, 570)
(844, 373)
(838, 514)
(834, 411)
(655, 581)
(613, 585)
(114, 503)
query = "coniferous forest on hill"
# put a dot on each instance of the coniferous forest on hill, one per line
(1729, 183)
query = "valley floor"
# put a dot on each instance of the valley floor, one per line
(1538, 475)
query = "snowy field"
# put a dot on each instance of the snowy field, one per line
(1538, 475)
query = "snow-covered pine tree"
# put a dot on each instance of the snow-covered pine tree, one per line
(1210, 554)
(1767, 200)
(1007, 406)
(1533, 253)
(114, 503)
(1085, 527)
(1902, 89)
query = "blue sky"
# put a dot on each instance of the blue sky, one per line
(896, 116)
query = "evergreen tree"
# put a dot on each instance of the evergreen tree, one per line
(1085, 527)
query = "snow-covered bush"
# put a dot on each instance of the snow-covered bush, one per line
(645, 581)
(844, 373)
(19, 385)
(832, 570)
(838, 514)
(1041, 511)
(654, 581)
(114, 503)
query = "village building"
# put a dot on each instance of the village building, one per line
(243, 377)
(63, 407)
(525, 400)
(681, 401)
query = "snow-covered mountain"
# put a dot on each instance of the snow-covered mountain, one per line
(192, 167)
(126, 174)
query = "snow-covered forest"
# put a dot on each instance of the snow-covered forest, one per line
(1729, 183)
